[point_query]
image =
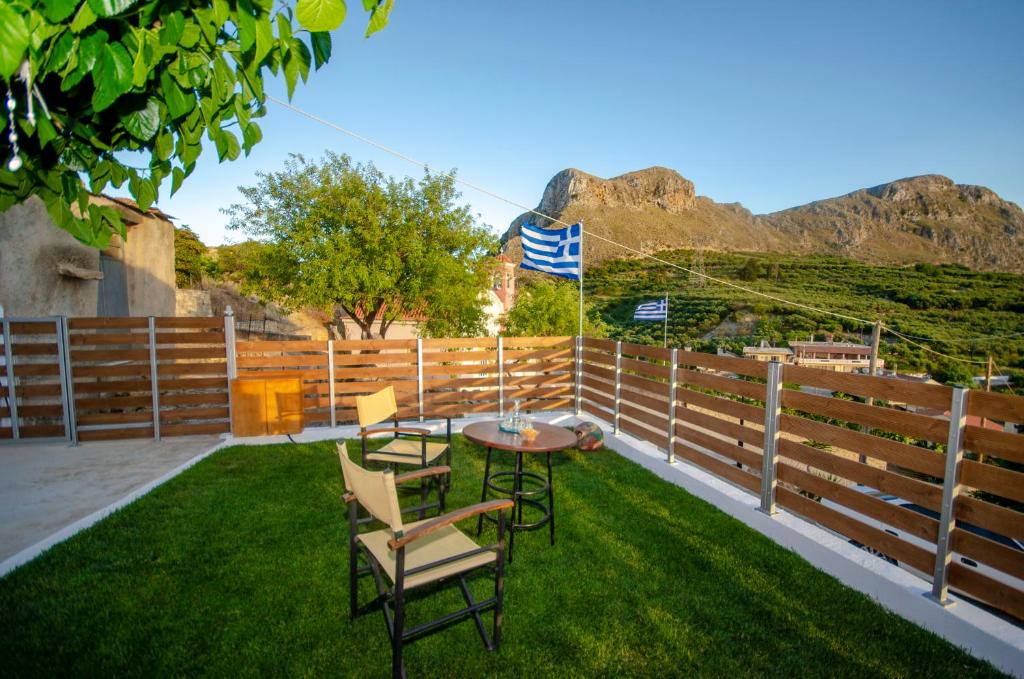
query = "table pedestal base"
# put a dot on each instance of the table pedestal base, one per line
(532, 495)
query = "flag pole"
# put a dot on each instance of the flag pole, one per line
(665, 342)
(581, 279)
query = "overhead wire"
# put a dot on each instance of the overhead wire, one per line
(781, 300)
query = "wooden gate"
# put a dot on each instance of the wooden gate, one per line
(34, 380)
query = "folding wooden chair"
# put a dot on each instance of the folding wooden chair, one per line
(404, 448)
(406, 556)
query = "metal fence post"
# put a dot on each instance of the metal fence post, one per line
(419, 375)
(154, 384)
(672, 386)
(330, 382)
(12, 393)
(772, 412)
(618, 386)
(950, 492)
(501, 376)
(579, 375)
(229, 351)
(70, 417)
(62, 364)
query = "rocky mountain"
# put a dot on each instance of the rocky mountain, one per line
(918, 219)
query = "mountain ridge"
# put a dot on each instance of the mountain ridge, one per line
(926, 218)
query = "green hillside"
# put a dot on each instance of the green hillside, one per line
(947, 302)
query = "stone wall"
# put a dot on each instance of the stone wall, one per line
(192, 303)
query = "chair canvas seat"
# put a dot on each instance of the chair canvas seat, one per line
(446, 542)
(406, 451)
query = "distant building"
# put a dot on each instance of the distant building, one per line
(44, 271)
(829, 355)
(766, 353)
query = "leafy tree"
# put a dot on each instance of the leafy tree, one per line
(125, 90)
(954, 373)
(751, 270)
(344, 235)
(547, 307)
(189, 258)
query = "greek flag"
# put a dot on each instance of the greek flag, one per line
(553, 251)
(652, 311)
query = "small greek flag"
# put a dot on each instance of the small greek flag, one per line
(652, 311)
(553, 251)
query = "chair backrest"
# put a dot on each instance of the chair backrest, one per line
(375, 491)
(377, 407)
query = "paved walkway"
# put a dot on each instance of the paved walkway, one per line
(45, 487)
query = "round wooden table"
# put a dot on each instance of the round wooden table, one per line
(549, 439)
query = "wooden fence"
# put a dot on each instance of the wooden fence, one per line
(941, 495)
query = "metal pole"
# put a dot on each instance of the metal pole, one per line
(501, 376)
(72, 417)
(581, 283)
(12, 394)
(988, 387)
(419, 375)
(664, 342)
(950, 492)
(65, 389)
(154, 385)
(330, 382)
(618, 386)
(769, 461)
(232, 364)
(876, 336)
(672, 387)
(579, 375)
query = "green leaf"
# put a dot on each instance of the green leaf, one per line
(190, 36)
(251, 135)
(99, 175)
(164, 145)
(291, 72)
(227, 145)
(177, 177)
(60, 52)
(221, 11)
(264, 37)
(108, 8)
(246, 25)
(57, 11)
(368, 5)
(178, 102)
(45, 130)
(13, 40)
(117, 174)
(300, 52)
(144, 123)
(379, 16)
(284, 27)
(320, 15)
(174, 27)
(321, 43)
(84, 19)
(113, 76)
(143, 191)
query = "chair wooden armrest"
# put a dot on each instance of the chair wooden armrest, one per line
(418, 431)
(421, 473)
(448, 519)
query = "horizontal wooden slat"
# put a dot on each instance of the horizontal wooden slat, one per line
(640, 398)
(645, 368)
(602, 344)
(208, 337)
(909, 521)
(1003, 407)
(538, 379)
(540, 392)
(540, 366)
(189, 322)
(111, 370)
(547, 404)
(643, 433)
(179, 414)
(112, 402)
(194, 429)
(727, 449)
(888, 419)
(989, 552)
(600, 400)
(431, 400)
(352, 373)
(276, 346)
(79, 356)
(115, 434)
(731, 385)
(535, 342)
(886, 388)
(521, 355)
(104, 323)
(33, 328)
(108, 338)
(36, 369)
(906, 456)
(111, 386)
(87, 419)
(658, 421)
(740, 366)
(373, 386)
(605, 373)
(163, 353)
(33, 349)
(598, 386)
(596, 358)
(653, 353)
(34, 431)
(723, 406)
(459, 356)
(186, 383)
(304, 360)
(924, 494)
(984, 514)
(724, 470)
(843, 524)
(996, 443)
(991, 591)
(733, 430)
(173, 369)
(40, 410)
(996, 480)
(365, 345)
(645, 385)
(204, 398)
(481, 369)
(460, 343)
(371, 359)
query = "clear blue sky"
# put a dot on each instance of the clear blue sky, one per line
(772, 104)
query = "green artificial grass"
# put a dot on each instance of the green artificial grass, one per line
(238, 568)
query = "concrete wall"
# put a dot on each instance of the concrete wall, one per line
(33, 249)
(192, 303)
